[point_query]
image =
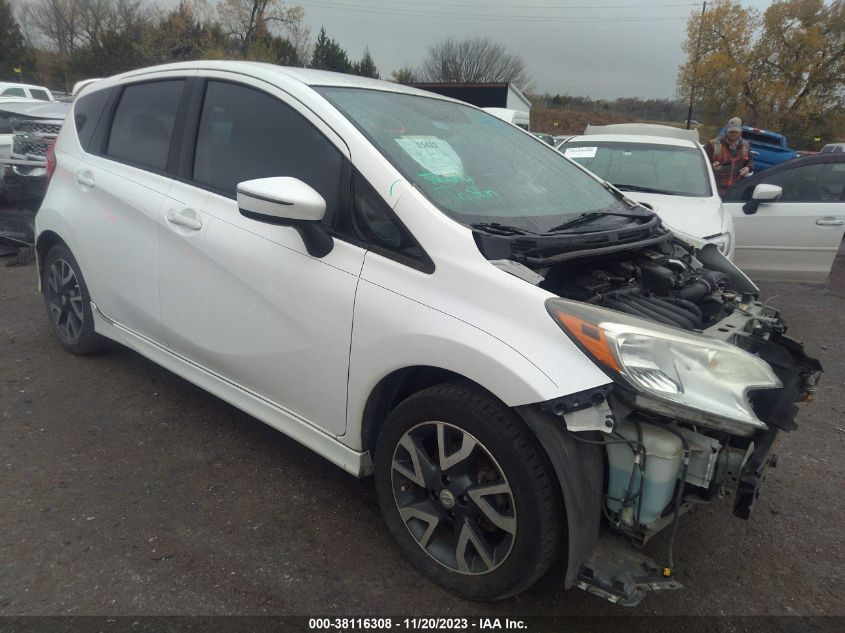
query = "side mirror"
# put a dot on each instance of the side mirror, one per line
(287, 202)
(762, 193)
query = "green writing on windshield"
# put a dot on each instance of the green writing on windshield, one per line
(445, 182)
(473, 193)
(450, 185)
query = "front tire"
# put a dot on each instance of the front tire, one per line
(69, 304)
(467, 492)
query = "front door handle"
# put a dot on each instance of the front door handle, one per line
(830, 222)
(85, 179)
(186, 218)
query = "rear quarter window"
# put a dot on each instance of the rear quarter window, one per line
(87, 111)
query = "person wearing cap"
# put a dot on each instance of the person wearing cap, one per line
(730, 156)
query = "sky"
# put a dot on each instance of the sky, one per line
(594, 48)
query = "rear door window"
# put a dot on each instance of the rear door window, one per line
(142, 126)
(41, 95)
(832, 183)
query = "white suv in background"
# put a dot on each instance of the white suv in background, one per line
(527, 361)
(662, 167)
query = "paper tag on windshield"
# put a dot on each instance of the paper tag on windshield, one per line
(580, 152)
(433, 154)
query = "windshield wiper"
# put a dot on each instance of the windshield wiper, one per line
(644, 189)
(501, 229)
(593, 214)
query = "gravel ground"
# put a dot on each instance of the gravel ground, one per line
(127, 490)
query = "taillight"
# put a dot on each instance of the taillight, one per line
(51, 160)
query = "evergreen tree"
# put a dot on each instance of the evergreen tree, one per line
(404, 75)
(328, 55)
(13, 51)
(284, 52)
(366, 67)
(114, 52)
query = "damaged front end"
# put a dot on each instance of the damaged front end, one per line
(25, 171)
(704, 377)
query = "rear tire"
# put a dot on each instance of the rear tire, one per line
(69, 304)
(468, 493)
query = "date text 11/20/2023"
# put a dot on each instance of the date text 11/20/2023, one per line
(416, 624)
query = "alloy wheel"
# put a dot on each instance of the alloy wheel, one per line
(65, 299)
(453, 497)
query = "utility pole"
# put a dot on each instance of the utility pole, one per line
(695, 63)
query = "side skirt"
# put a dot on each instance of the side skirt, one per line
(328, 446)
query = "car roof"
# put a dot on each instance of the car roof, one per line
(812, 159)
(12, 84)
(630, 139)
(644, 129)
(262, 70)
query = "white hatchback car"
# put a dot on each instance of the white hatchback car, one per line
(664, 168)
(526, 361)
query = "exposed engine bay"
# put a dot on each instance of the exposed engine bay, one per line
(661, 460)
(668, 287)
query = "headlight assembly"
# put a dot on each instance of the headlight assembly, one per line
(722, 242)
(672, 372)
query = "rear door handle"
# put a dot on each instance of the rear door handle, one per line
(830, 222)
(186, 218)
(85, 179)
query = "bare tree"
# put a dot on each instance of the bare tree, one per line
(67, 25)
(57, 23)
(247, 20)
(300, 36)
(127, 15)
(23, 14)
(473, 60)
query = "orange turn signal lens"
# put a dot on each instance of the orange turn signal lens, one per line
(591, 337)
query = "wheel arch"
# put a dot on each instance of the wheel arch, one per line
(391, 390)
(580, 471)
(45, 241)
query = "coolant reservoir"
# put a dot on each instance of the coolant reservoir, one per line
(664, 455)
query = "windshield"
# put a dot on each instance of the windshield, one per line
(664, 168)
(474, 167)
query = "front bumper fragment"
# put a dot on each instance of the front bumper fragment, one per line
(753, 475)
(621, 574)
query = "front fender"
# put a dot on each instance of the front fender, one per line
(392, 332)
